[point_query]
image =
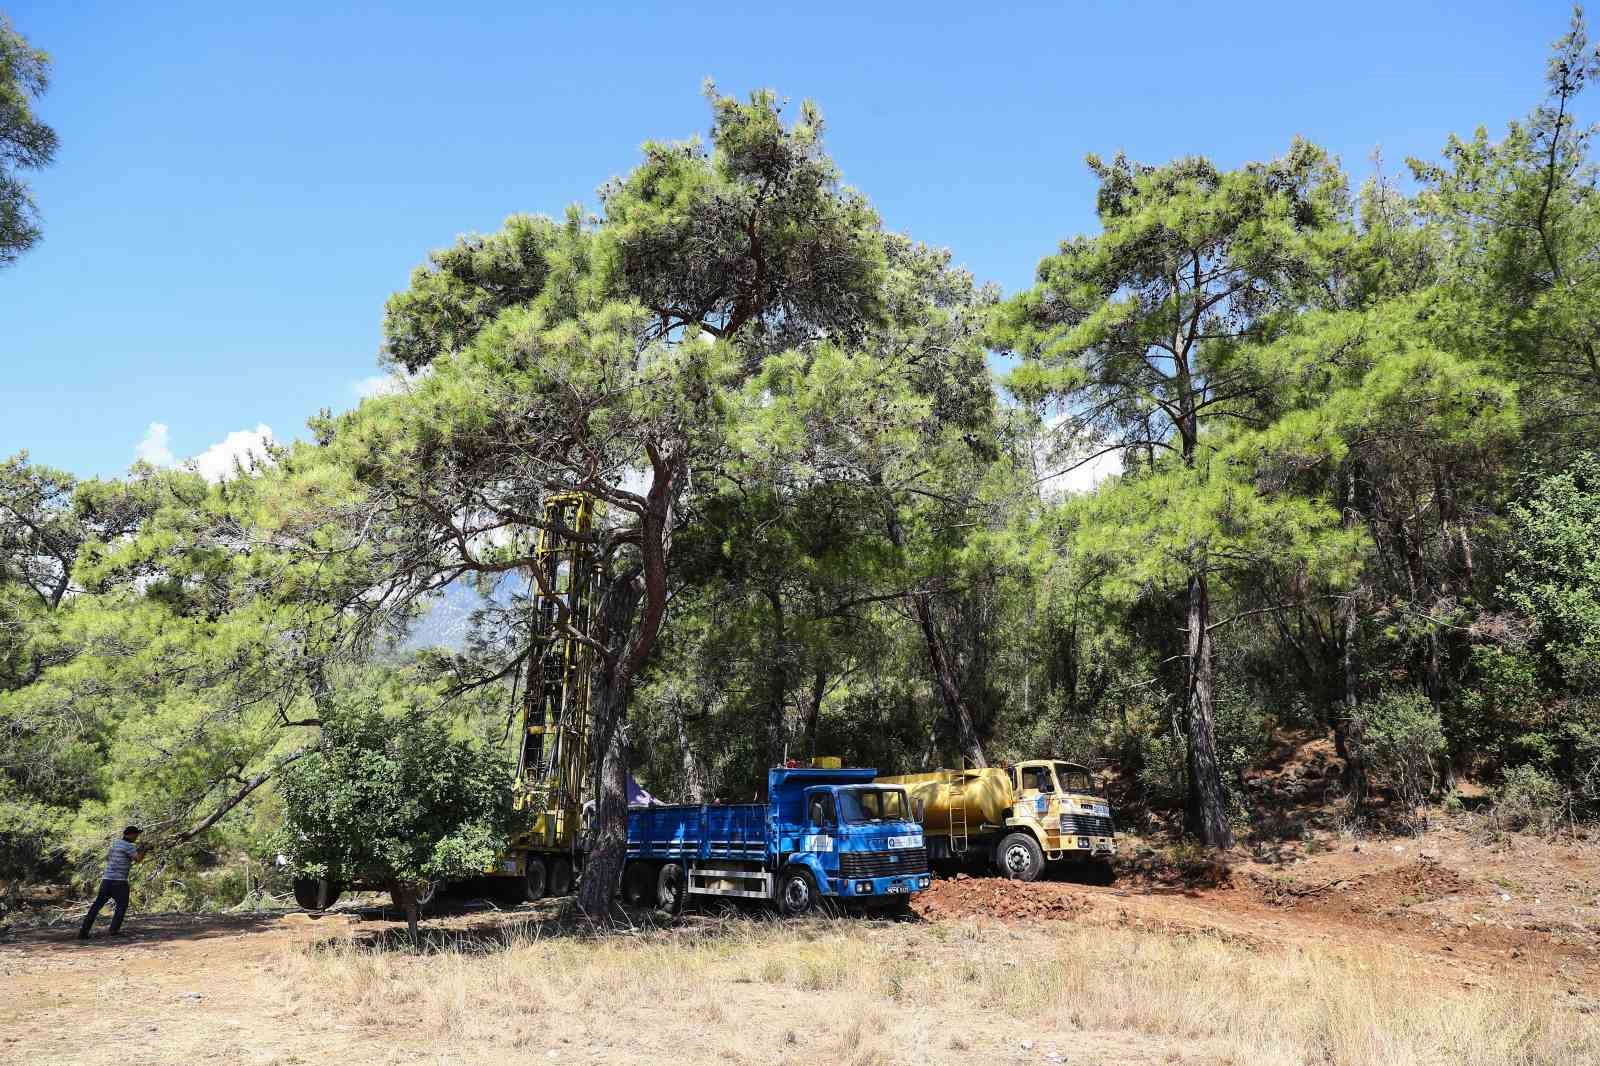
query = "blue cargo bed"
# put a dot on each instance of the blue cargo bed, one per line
(703, 831)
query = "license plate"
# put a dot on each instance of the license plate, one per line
(1102, 849)
(896, 890)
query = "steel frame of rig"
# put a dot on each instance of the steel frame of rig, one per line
(553, 764)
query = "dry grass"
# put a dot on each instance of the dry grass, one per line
(745, 991)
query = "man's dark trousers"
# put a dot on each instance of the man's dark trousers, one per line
(117, 893)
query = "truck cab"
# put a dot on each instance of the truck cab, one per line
(859, 843)
(1058, 803)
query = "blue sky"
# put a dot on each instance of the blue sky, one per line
(239, 187)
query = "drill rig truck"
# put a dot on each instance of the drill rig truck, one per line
(553, 763)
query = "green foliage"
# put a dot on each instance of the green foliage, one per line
(1405, 742)
(1528, 798)
(465, 286)
(1156, 746)
(394, 799)
(25, 142)
(755, 234)
(1332, 418)
(1555, 570)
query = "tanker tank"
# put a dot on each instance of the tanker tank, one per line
(986, 795)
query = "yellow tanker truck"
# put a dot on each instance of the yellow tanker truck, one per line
(1017, 817)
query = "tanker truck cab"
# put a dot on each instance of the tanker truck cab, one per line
(1057, 805)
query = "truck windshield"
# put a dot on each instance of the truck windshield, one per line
(1073, 778)
(873, 805)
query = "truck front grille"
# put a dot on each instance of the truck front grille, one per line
(883, 863)
(1086, 825)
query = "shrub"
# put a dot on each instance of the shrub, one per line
(1529, 798)
(394, 801)
(1555, 573)
(1404, 739)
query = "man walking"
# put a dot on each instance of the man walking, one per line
(114, 883)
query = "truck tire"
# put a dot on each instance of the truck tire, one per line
(316, 893)
(534, 880)
(560, 877)
(1019, 857)
(670, 888)
(637, 882)
(797, 892)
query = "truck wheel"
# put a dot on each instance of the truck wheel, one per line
(1019, 857)
(316, 893)
(636, 884)
(560, 877)
(670, 888)
(534, 880)
(797, 892)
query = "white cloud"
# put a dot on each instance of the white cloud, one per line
(637, 480)
(388, 384)
(1084, 478)
(377, 385)
(154, 447)
(239, 447)
(217, 462)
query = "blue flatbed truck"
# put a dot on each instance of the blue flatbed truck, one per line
(824, 838)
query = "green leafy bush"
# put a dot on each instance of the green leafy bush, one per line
(1243, 732)
(1555, 576)
(1405, 742)
(1528, 798)
(394, 800)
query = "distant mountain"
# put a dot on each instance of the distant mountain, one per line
(448, 618)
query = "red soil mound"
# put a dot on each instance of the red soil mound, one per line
(995, 897)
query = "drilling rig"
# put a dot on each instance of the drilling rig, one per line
(553, 766)
(553, 763)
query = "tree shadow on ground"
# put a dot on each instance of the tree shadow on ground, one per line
(146, 929)
(492, 930)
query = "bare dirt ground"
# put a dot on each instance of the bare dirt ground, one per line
(1524, 910)
(1442, 916)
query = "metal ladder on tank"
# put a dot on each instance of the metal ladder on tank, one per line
(958, 815)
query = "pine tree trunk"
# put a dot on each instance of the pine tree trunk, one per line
(819, 688)
(777, 695)
(949, 689)
(967, 740)
(693, 784)
(1207, 806)
(608, 845)
(406, 896)
(1353, 736)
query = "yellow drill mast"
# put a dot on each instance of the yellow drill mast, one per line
(553, 765)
